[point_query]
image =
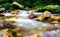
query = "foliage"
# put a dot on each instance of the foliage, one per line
(52, 5)
(53, 8)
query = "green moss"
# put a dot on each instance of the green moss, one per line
(51, 5)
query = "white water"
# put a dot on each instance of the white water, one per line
(28, 23)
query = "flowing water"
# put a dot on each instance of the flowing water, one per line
(28, 23)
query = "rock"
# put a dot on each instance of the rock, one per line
(47, 14)
(44, 15)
